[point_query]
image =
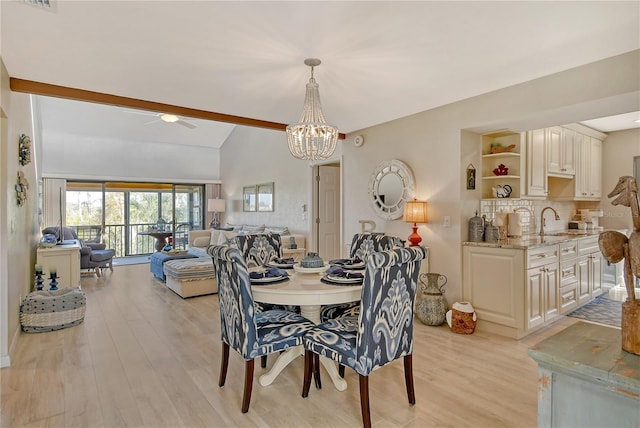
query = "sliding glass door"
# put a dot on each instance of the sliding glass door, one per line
(117, 212)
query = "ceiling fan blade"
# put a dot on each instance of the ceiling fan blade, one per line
(153, 121)
(145, 113)
(187, 124)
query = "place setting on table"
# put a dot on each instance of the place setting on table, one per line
(267, 275)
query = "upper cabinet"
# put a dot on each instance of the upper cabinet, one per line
(558, 163)
(586, 182)
(561, 152)
(536, 154)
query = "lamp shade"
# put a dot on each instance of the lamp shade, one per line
(216, 205)
(415, 212)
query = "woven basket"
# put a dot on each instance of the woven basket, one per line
(43, 311)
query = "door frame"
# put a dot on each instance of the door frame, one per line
(313, 239)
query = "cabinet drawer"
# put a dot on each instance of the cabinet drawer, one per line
(568, 249)
(542, 256)
(568, 298)
(568, 272)
(588, 245)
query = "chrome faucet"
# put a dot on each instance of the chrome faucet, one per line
(542, 218)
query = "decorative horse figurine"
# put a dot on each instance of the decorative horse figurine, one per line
(615, 246)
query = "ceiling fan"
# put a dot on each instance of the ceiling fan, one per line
(164, 117)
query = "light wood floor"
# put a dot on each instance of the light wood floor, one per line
(144, 357)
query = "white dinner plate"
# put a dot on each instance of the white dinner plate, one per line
(280, 265)
(342, 280)
(352, 266)
(300, 269)
(268, 279)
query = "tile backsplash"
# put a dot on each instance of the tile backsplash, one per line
(530, 212)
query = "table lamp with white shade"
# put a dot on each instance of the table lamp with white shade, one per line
(415, 212)
(215, 206)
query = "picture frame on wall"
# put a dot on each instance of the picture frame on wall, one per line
(265, 197)
(249, 198)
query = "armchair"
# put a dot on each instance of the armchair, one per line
(93, 255)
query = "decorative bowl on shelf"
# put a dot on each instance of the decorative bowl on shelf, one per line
(501, 191)
(501, 170)
(499, 148)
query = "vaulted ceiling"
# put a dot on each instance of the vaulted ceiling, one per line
(380, 60)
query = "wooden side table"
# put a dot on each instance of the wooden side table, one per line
(297, 253)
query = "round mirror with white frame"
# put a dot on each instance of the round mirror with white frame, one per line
(390, 186)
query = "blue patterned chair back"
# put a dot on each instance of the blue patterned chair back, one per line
(259, 249)
(365, 244)
(237, 311)
(385, 323)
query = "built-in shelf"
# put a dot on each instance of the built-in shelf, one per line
(501, 155)
(501, 177)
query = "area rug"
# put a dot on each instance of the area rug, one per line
(601, 310)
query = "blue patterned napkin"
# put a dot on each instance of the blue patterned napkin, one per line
(345, 262)
(283, 261)
(272, 272)
(338, 271)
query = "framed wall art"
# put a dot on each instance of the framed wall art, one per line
(265, 197)
(249, 198)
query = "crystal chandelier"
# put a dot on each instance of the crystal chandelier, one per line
(311, 138)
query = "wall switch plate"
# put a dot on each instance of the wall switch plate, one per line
(447, 221)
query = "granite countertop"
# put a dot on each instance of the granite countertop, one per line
(532, 241)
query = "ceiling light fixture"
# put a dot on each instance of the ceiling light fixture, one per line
(311, 138)
(171, 118)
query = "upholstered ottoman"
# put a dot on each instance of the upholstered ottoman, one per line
(156, 263)
(191, 277)
(48, 310)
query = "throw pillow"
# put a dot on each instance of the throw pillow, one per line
(201, 241)
(215, 237)
(282, 231)
(253, 229)
(227, 238)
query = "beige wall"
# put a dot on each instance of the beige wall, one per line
(19, 232)
(438, 145)
(618, 151)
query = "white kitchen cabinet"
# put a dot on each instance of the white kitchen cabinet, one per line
(65, 259)
(561, 152)
(516, 289)
(536, 164)
(589, 269)
(543, 286)
(587, 182)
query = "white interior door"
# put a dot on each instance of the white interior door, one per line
(327, 211)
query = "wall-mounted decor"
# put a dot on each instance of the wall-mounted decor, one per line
(471, 177)
(21, 189)
(249, 198)
(390, 186)
(24, 149)
(265, 197)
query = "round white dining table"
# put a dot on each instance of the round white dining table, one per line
(307, 291)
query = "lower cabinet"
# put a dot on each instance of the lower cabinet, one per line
(516, 291)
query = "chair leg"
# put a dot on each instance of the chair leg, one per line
(263, 361)
(111, 265)
(248, 385)
(316, 371)
(308, 365)
(97, 270)
(408, 378)
(364, 401)
(224, 364)
(341, 371)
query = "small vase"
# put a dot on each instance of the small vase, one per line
(431, 306)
